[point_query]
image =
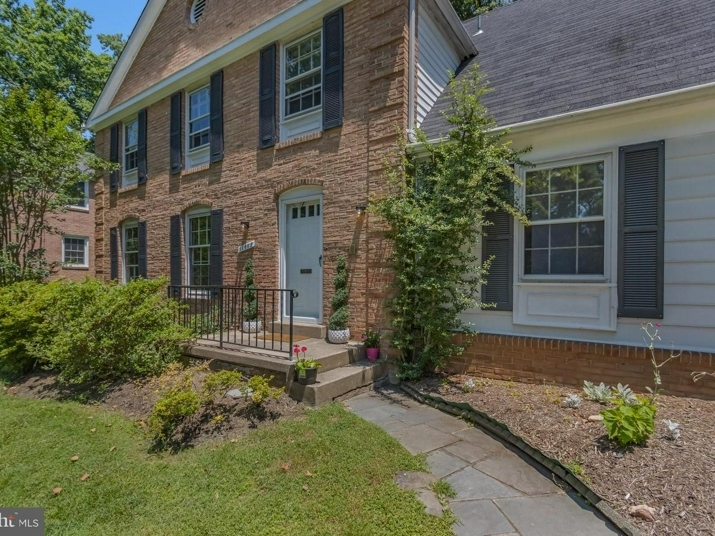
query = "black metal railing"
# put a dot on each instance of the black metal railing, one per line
(257, 318)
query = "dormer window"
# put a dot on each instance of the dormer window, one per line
(131, 152)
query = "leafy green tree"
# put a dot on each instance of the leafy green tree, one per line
(41, 160)
(436, 210)
(466, 9)
(46, 46)
(341, 314)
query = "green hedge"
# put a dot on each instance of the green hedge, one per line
(90, 331)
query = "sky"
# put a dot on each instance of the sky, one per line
(110, 16)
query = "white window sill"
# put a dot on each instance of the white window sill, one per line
(301, 125)
(200, 156)
(195, 169)
(75, 267)
(300, 139)
(128, 188)
(75, 208)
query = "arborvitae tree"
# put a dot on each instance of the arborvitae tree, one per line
(250, 298)
(341, 314)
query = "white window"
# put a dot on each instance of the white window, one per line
(130, 251)
(131, 152)
(198, 129)
(80, 194)
(567, 235)
(75, 251)
(198, 245)
(302, 87)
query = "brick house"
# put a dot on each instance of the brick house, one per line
(270, 128)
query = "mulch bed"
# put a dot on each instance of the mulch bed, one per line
(226, 419)
(676, 478)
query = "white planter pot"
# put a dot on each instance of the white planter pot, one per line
(252, 327)
(340, 336)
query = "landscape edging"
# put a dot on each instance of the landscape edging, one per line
(501, 430)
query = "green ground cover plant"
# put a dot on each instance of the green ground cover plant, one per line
(302, 476)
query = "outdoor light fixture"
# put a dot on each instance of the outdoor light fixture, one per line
(361, 209)
(245, 225)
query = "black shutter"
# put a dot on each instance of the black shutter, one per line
(175, 247)
(113, 254)
(141, 232)
(267, 98)
(498, 244)
(641, 230)
(333, 70)
(114, 157)
(216, 267)
(142, 147)
(175, 134)
(217, 117)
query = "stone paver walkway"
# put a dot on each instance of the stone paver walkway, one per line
(498, 491)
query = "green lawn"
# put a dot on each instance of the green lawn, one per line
(227, 488)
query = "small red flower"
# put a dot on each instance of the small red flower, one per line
(304, 349)
(296, 350)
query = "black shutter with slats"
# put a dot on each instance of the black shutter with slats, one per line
(217, 117)
(175, 247)
(333, 70)
(142, 147)
(175, 134)
(267, 98)
(114, 157)
(641, 230)
(498, 245)
(141, 232)
(216, 266)
(113, 254)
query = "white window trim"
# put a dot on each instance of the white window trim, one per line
(610, 219)
(86, 252)
(303, 123)
(131, 224)
(200, 155)
(194, 213)
(129, 177)
(85, 207)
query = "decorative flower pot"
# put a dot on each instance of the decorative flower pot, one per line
(340, 336)
(253, 326)
(373, 354)
(307, 377)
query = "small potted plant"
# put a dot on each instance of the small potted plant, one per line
(338, 331)
(371, 339)
(251, 322)
(306, 370)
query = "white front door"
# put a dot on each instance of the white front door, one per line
(304, 258)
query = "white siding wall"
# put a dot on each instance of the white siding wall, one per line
(689, 133)
(436, 57)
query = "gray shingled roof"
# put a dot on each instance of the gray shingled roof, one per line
(548, 57)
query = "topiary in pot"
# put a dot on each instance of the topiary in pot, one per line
(338, 332)
(251, 323)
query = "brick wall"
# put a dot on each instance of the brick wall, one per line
(347, 162)
(532, 360)
(74, 222)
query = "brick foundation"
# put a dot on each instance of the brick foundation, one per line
(531, 360)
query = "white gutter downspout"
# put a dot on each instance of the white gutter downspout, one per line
(411, 72)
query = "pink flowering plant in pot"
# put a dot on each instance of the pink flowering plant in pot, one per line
(306, 369)
(371, 339)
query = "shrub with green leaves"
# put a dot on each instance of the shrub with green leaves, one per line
(171, 409)
(630, 425)
(95, 331)
(221, 382)
(23, 307)
(341, 314)
(261, 390)
(250, 297)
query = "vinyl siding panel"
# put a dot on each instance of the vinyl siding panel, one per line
(435, 59)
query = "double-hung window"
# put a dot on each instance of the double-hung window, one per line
(302, 85)
(80, 196)
(75, 251)
(198, 233)
(131, 152)
(199, 127)
(566, 208)
(130, 250)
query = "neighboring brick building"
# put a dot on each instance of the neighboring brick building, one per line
(268, 124)
(72, 248)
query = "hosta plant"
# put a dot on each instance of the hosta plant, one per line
(630, 425)
(598, 393)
